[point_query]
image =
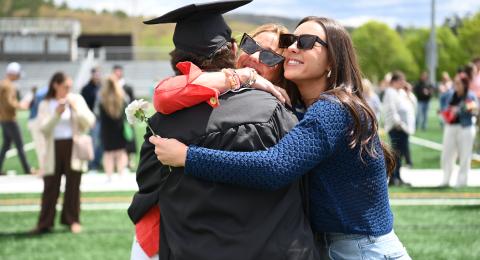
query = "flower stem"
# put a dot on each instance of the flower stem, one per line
(151, 130)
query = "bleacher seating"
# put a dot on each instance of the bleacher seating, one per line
(142, 75)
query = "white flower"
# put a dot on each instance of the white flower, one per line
(135, 111)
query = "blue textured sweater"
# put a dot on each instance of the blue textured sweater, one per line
(347, 195)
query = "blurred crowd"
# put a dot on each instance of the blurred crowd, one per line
(401, 107)
(72, 133)
(404, 108)
(112, 153)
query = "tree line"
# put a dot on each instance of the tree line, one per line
(382, 49)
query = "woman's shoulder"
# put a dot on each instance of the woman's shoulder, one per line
(327, 105)
(328, 110)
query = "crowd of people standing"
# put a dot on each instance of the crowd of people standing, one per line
(406, 108)
(64, 128)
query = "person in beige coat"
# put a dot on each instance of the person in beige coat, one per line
(62, 117)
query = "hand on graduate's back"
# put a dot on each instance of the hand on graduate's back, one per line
(169, 151)
(263, 84)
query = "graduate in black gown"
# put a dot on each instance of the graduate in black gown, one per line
(205, 220)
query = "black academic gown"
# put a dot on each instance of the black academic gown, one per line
(205, 220)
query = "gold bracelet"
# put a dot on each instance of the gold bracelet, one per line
(230, 76)
(237, 79)
(252, 78)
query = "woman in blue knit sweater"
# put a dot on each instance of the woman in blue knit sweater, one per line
(336, 141)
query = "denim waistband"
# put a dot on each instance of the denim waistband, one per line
(334, 236)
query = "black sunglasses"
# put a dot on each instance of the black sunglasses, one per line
(267, 57)
(304, 41)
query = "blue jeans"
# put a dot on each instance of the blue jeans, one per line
(96, 163)
(353, 246)
(422, 114)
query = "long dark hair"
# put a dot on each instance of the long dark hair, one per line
(470, 70)
(57, 78)
(345, 83)
(465, 81)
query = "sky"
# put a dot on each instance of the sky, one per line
(351, 13)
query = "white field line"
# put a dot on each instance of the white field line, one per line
(435, 146)
(124, 206)
(434, 202)
(84, 206)
(13, 152)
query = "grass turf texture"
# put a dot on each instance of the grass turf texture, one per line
(428, 232)
(106, 235)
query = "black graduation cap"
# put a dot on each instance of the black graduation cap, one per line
(200, 28)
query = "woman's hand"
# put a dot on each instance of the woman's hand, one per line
(263, 84)
(61, 107)
(169, 151)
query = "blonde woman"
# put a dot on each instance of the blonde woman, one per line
(258, 50)
(111, 107)
(62, 116)
(372, 98)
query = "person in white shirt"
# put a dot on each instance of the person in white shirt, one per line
(399, 106)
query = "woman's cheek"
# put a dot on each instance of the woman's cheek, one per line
(241, 60)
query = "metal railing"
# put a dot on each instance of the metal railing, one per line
(127, 53)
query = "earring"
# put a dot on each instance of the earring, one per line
(329, 73)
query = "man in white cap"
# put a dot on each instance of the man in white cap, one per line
(8, 107)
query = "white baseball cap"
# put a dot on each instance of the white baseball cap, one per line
(14, 68)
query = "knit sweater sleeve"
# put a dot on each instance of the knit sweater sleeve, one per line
(305, 146)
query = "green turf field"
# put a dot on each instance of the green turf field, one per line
(428, 232)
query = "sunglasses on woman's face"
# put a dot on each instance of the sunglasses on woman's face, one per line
(304, 41)
(267, 57)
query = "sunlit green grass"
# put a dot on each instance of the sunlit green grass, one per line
(439, 232)
(428, 232)
(106, 235)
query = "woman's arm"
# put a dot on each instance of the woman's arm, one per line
(304, 147)
(195, 87)
(85, 118)
(47, 120)
(12, 100)
(391, 117)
